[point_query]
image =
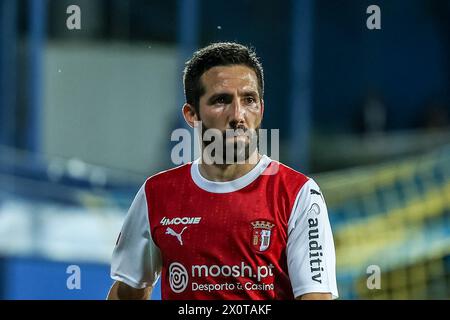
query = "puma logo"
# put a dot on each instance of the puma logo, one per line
(312, 191)
(177, 235)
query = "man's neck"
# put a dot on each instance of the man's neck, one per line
(226, 172)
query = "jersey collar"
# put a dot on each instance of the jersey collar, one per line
(228, 186)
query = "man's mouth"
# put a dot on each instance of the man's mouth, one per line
(235, 133)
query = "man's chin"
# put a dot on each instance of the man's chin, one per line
(240, 153)
(238, 147)
(235, 140)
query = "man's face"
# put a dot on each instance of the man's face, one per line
(231, 101)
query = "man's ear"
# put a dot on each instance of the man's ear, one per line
(189, 114)
(262, 107)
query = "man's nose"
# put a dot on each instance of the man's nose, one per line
(238, 111)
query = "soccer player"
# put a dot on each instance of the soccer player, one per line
(232, 230)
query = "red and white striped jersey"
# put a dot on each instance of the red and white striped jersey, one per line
(265, 235)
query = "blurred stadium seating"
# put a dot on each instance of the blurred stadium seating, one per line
(396, 216)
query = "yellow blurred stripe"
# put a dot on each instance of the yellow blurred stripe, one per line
(358, 241)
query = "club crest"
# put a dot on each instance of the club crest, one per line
(261, 235)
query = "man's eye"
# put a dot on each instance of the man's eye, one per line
(250, 100)
(220, 100)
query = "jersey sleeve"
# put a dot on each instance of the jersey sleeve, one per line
(310, 248)
(136, 260)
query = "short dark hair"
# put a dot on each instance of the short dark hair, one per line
(213, 55)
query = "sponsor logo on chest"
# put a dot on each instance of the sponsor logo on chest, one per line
(176, 221)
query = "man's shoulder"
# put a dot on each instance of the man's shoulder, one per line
(166, 176)
(285, 172)
(299, 181)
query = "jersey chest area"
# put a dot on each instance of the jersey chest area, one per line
(218, 228)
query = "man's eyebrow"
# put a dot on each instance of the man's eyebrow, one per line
(218, 95)
(250, 93)
(245, 93)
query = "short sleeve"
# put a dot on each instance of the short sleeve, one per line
(136, 260)
(310, 246)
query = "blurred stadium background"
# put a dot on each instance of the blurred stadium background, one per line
(86, 116)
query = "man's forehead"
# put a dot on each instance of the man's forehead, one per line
(230, 76)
